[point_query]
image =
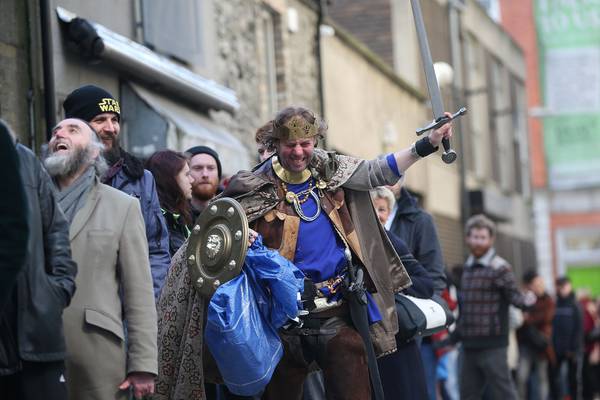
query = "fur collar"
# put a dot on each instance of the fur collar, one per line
(132, 166)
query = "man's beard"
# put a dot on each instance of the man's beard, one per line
(67, 165)
(204, 192)
(113, 154)
(479, 251)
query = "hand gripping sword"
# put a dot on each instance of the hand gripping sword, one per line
(435, 95)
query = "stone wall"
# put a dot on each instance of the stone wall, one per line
(18, 106)
(239, 65)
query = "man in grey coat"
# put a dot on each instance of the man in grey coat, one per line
(114, 284)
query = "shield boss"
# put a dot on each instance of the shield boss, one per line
(217, 246)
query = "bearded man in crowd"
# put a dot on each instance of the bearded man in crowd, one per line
(205, 168)
(108, 242)
(126, 173)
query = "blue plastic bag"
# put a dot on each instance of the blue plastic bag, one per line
(282, 278)
(244, 315)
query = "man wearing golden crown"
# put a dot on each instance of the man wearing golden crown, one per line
(314, 207)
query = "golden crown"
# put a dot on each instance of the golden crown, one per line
(297, 128)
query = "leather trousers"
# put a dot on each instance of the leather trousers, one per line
(331, 344)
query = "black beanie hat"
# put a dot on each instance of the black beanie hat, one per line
(192, 151)
(88, 101)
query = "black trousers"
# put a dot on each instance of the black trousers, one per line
(573, 388)
(36, 380)
(402, 373)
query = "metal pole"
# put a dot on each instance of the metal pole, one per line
(48, 64)
(322, 13)
(454, 9)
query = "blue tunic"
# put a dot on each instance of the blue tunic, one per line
(319, 248)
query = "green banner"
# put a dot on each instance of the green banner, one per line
(568, 34)
(587, 278)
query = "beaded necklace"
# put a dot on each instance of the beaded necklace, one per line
(297, 199)
(290, 195)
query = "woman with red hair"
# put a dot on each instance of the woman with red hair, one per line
(174, 187)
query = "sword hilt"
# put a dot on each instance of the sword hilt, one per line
(449, 155)
(441, 121)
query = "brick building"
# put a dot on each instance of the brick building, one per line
(567, 212)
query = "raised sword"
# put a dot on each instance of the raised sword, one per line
(437, 106)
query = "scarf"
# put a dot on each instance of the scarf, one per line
(72, 198)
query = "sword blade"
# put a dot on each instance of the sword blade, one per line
(433, 87)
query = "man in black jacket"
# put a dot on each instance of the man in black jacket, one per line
(14, 230)
(567, 338)
(32, 345)
(415, 226)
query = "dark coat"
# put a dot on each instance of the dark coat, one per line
(48, 282)
(131, 178)
(540, 317)
(178, 232)
(567, 326)
(402, 373)
(416, 228)
(14, 229)
(422, 284)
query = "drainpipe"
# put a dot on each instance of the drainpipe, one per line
(322, 14)
(455, 7)
(48, 66)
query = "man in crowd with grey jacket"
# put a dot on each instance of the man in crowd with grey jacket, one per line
(114, 284)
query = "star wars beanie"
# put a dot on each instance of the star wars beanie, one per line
(88, 101)
(192, 151)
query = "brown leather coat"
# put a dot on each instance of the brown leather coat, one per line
(541, 315)
(348, 205)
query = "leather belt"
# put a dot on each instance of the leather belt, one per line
(339, 310)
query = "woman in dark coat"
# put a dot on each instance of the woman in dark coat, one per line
(402, 373)
(174, 187)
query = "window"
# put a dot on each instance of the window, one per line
(407, 62)
(517, 95)
(144, 130)
(154, 122)
(493, 87)
(178, 29)
(473, 54)
(500, 124)
(492, 7)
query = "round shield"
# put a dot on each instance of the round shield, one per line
(217, 246)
